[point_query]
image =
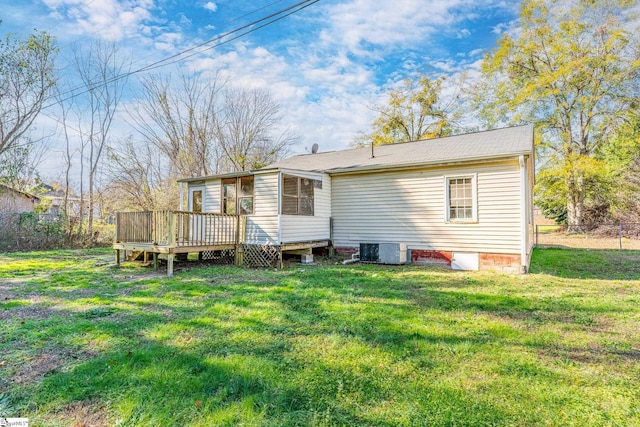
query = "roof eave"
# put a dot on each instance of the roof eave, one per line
(375, 168)
(219, 176)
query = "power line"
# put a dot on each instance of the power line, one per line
(309, 3)
(240, 32)
(266, 21)
(146, 57)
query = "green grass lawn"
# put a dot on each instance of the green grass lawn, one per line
(83, 343)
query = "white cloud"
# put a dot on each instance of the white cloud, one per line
(323, 99)
(211, 6)
(107, 19)
(167, 41)
(360, 23)
(327, 76)
(184, 21)
(512, 28)
(463, 33)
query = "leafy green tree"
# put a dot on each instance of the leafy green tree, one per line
(622, 168)
(27, 77)
(573, 70)
(415, 111)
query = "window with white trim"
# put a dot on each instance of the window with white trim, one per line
(461, 198)
(237, 195)
(297, 195)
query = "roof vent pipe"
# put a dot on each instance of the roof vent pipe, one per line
(372, 154)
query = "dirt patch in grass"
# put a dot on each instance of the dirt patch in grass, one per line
(83, 414)
(34, 368)
(32, 309)
(28, 312)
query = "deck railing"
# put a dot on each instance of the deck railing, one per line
(179, 228)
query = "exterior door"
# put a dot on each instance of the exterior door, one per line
(196, 231)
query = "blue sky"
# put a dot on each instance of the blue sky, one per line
(325, 65)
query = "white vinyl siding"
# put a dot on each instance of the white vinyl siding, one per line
(300, 228)
(410, 207)
(266, 194)
(262, 230)
(262, 226)
(211, 196)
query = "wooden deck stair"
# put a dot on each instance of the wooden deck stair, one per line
(135, 255)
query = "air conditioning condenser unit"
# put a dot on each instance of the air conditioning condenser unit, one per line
(383, 253)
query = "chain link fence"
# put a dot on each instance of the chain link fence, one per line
(593, 236)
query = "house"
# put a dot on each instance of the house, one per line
(14, 201)
(53, 197)
(463, 201)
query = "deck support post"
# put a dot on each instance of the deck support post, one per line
(170, 257)
(239, 258)
(117, 256)
(155, 261)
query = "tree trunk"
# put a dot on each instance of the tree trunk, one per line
(575, 205)
(90, 219)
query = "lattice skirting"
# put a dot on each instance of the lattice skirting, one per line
(222, 257)
(261, 255)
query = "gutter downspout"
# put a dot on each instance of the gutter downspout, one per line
(523, 214)
(279, 212)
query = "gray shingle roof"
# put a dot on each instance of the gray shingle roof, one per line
(497, 143)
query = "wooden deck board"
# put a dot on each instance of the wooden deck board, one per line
(304, 245)
(165, 249)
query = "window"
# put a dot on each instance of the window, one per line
(237, 195)
(229, 196)
(196, 201)
(461, 199)
(245, 195)
(297, 195)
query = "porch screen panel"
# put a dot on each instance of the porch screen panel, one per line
(306, 197)
(289, 195)
(245, 196)
(229, 196)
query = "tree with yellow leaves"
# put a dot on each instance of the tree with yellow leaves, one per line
(416, 110)
(573, 69)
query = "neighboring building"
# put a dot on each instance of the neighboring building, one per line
(14, 201)
(54, 200)
(465, 200)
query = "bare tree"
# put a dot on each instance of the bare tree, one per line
(72, 220)
(180, 122)
(27, 77)
(101, 70)
(138, 178)
(203, 128)
(246, 130)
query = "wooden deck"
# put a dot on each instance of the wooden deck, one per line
(176, 232)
